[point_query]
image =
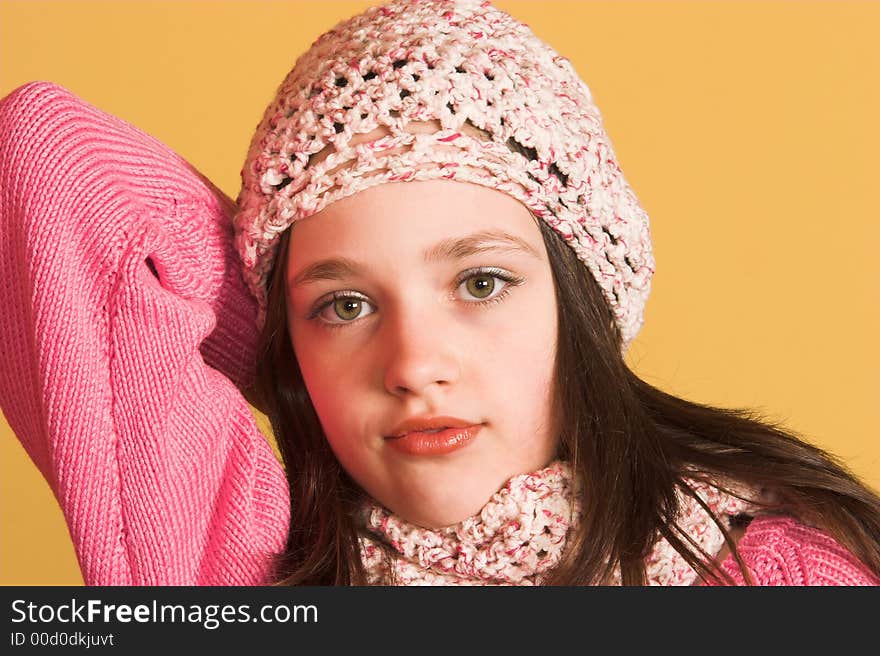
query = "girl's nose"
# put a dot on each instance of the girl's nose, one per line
(421, 352)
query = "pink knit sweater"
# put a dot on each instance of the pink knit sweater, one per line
(123, 387)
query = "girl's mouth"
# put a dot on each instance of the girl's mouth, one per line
(435, 441)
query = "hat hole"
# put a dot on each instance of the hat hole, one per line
(483, 134)
(554, 170)
(320, 156)
(610, 236)
(281, 185)
(526, 151)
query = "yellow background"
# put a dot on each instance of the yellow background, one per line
(747, 129)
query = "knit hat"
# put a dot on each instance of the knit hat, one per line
(444, 89)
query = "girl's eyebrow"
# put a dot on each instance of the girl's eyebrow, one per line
(448, 249)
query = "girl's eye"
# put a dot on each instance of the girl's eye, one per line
(346, 307)
(481, 286)
(343, 308)
(487, 284)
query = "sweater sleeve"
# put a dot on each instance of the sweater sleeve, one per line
(125, 338)
(782, 551)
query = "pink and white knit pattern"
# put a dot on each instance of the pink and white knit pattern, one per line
(520, 534)
(453, 90)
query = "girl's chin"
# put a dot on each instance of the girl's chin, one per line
(442, 515)
(441, 497)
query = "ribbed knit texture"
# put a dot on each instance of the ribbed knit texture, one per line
(118, 385)
(124, 388)
(783, 551)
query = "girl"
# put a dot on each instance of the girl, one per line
(391, 306)
(446, 267)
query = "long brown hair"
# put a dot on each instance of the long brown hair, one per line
(631, 444)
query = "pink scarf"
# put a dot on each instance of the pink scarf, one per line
(520, 535)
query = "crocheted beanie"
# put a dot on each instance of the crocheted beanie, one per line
(444, 89)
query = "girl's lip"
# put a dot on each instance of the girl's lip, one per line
(419, 443)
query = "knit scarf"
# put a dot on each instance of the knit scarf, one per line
(520, 535)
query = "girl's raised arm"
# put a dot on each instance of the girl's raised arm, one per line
(125, 331)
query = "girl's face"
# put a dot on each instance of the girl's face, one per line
(427, 299)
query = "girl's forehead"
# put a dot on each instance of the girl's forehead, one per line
(414, 212)
(418, 222)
